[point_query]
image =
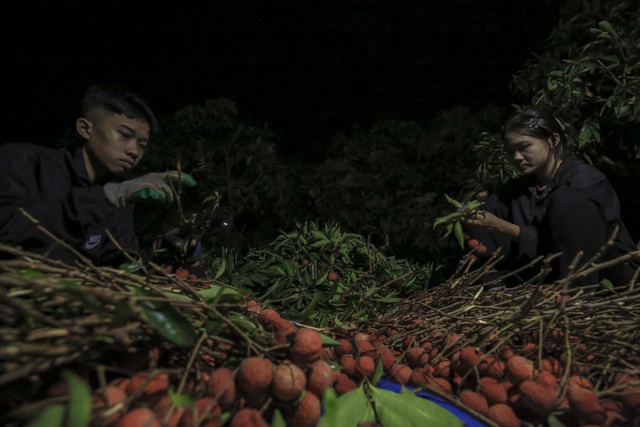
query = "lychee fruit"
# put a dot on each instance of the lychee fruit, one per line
(475, 401)
(307, 413)
(248, 417)
(288, 382)
(222, 386)
(519, 369)
(320, 377)
(139, 417)
(503, 415)
(255, 375)
(306, 347)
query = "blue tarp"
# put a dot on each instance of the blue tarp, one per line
(469, 420)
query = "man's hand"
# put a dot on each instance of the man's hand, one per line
(173, 246)
(155, 186)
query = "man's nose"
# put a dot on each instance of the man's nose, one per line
(133, 151)
(517, 155)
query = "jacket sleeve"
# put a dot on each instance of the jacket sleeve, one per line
(44, 189)
(20, 190)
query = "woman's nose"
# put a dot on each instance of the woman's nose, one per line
(517, 155)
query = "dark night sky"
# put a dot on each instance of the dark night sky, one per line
(307, 68)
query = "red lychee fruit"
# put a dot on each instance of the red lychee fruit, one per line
(222, 387)
(519, 369)
(306, 347)
(307, 413)
(475, 401)
(288, 382)
(255, 375)
(139, 417)
(320, 378)
(365, 367)
(248, 417)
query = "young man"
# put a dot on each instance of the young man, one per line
(73, 195)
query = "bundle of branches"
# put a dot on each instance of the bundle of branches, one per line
(530, 353)
(53, 314)
(481, 345)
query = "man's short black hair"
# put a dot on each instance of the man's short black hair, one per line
(119, 102)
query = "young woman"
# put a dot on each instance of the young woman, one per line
(559, 204)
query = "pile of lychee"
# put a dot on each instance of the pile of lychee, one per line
(245, 395)
(506, 386)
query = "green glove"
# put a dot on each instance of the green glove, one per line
(154, 186)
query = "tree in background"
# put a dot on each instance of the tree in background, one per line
(590, 71)
(228, 157)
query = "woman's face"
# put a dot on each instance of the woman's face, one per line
(532, 156)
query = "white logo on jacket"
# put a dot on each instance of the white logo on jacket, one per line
(93, 241)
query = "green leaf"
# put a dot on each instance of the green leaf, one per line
(553, 421)
(221, 270)
(606, 284)
(328, 341)
(454, 202)
(79, 409)
(408, 410)
(278, 419)
(320, 244)
(342, 325)
(214, 290)
(348, 410)
(167, 320)
(449, 229)
(51, 416)
(181, 399)
(605, 25)
(446, 219)
(33, 274)
(132, 267)
(78, 291)
(378, 373)
(457, 228)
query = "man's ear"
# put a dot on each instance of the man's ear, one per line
(83, 127)
(554, 139)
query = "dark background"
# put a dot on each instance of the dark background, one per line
(307, 69)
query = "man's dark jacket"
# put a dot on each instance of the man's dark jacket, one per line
(52, 185)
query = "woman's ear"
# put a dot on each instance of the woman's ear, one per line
(554, 140)
(83, 127)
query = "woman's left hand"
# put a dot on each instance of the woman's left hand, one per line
(490, 222)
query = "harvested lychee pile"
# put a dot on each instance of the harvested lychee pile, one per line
(108, 355)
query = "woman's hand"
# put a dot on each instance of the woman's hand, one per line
(490, 222)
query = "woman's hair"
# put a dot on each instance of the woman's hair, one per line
(119, 102)
(539, 123)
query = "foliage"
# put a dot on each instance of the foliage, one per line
(229, 157)
(391, 409)
(319, 273)
(590, 72)
(385, 182)
(388, 182)
(453, 222)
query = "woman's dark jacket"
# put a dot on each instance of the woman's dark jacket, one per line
(521, 203)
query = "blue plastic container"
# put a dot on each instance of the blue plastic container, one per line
(467, 418)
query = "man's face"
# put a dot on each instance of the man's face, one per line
(114, 143)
